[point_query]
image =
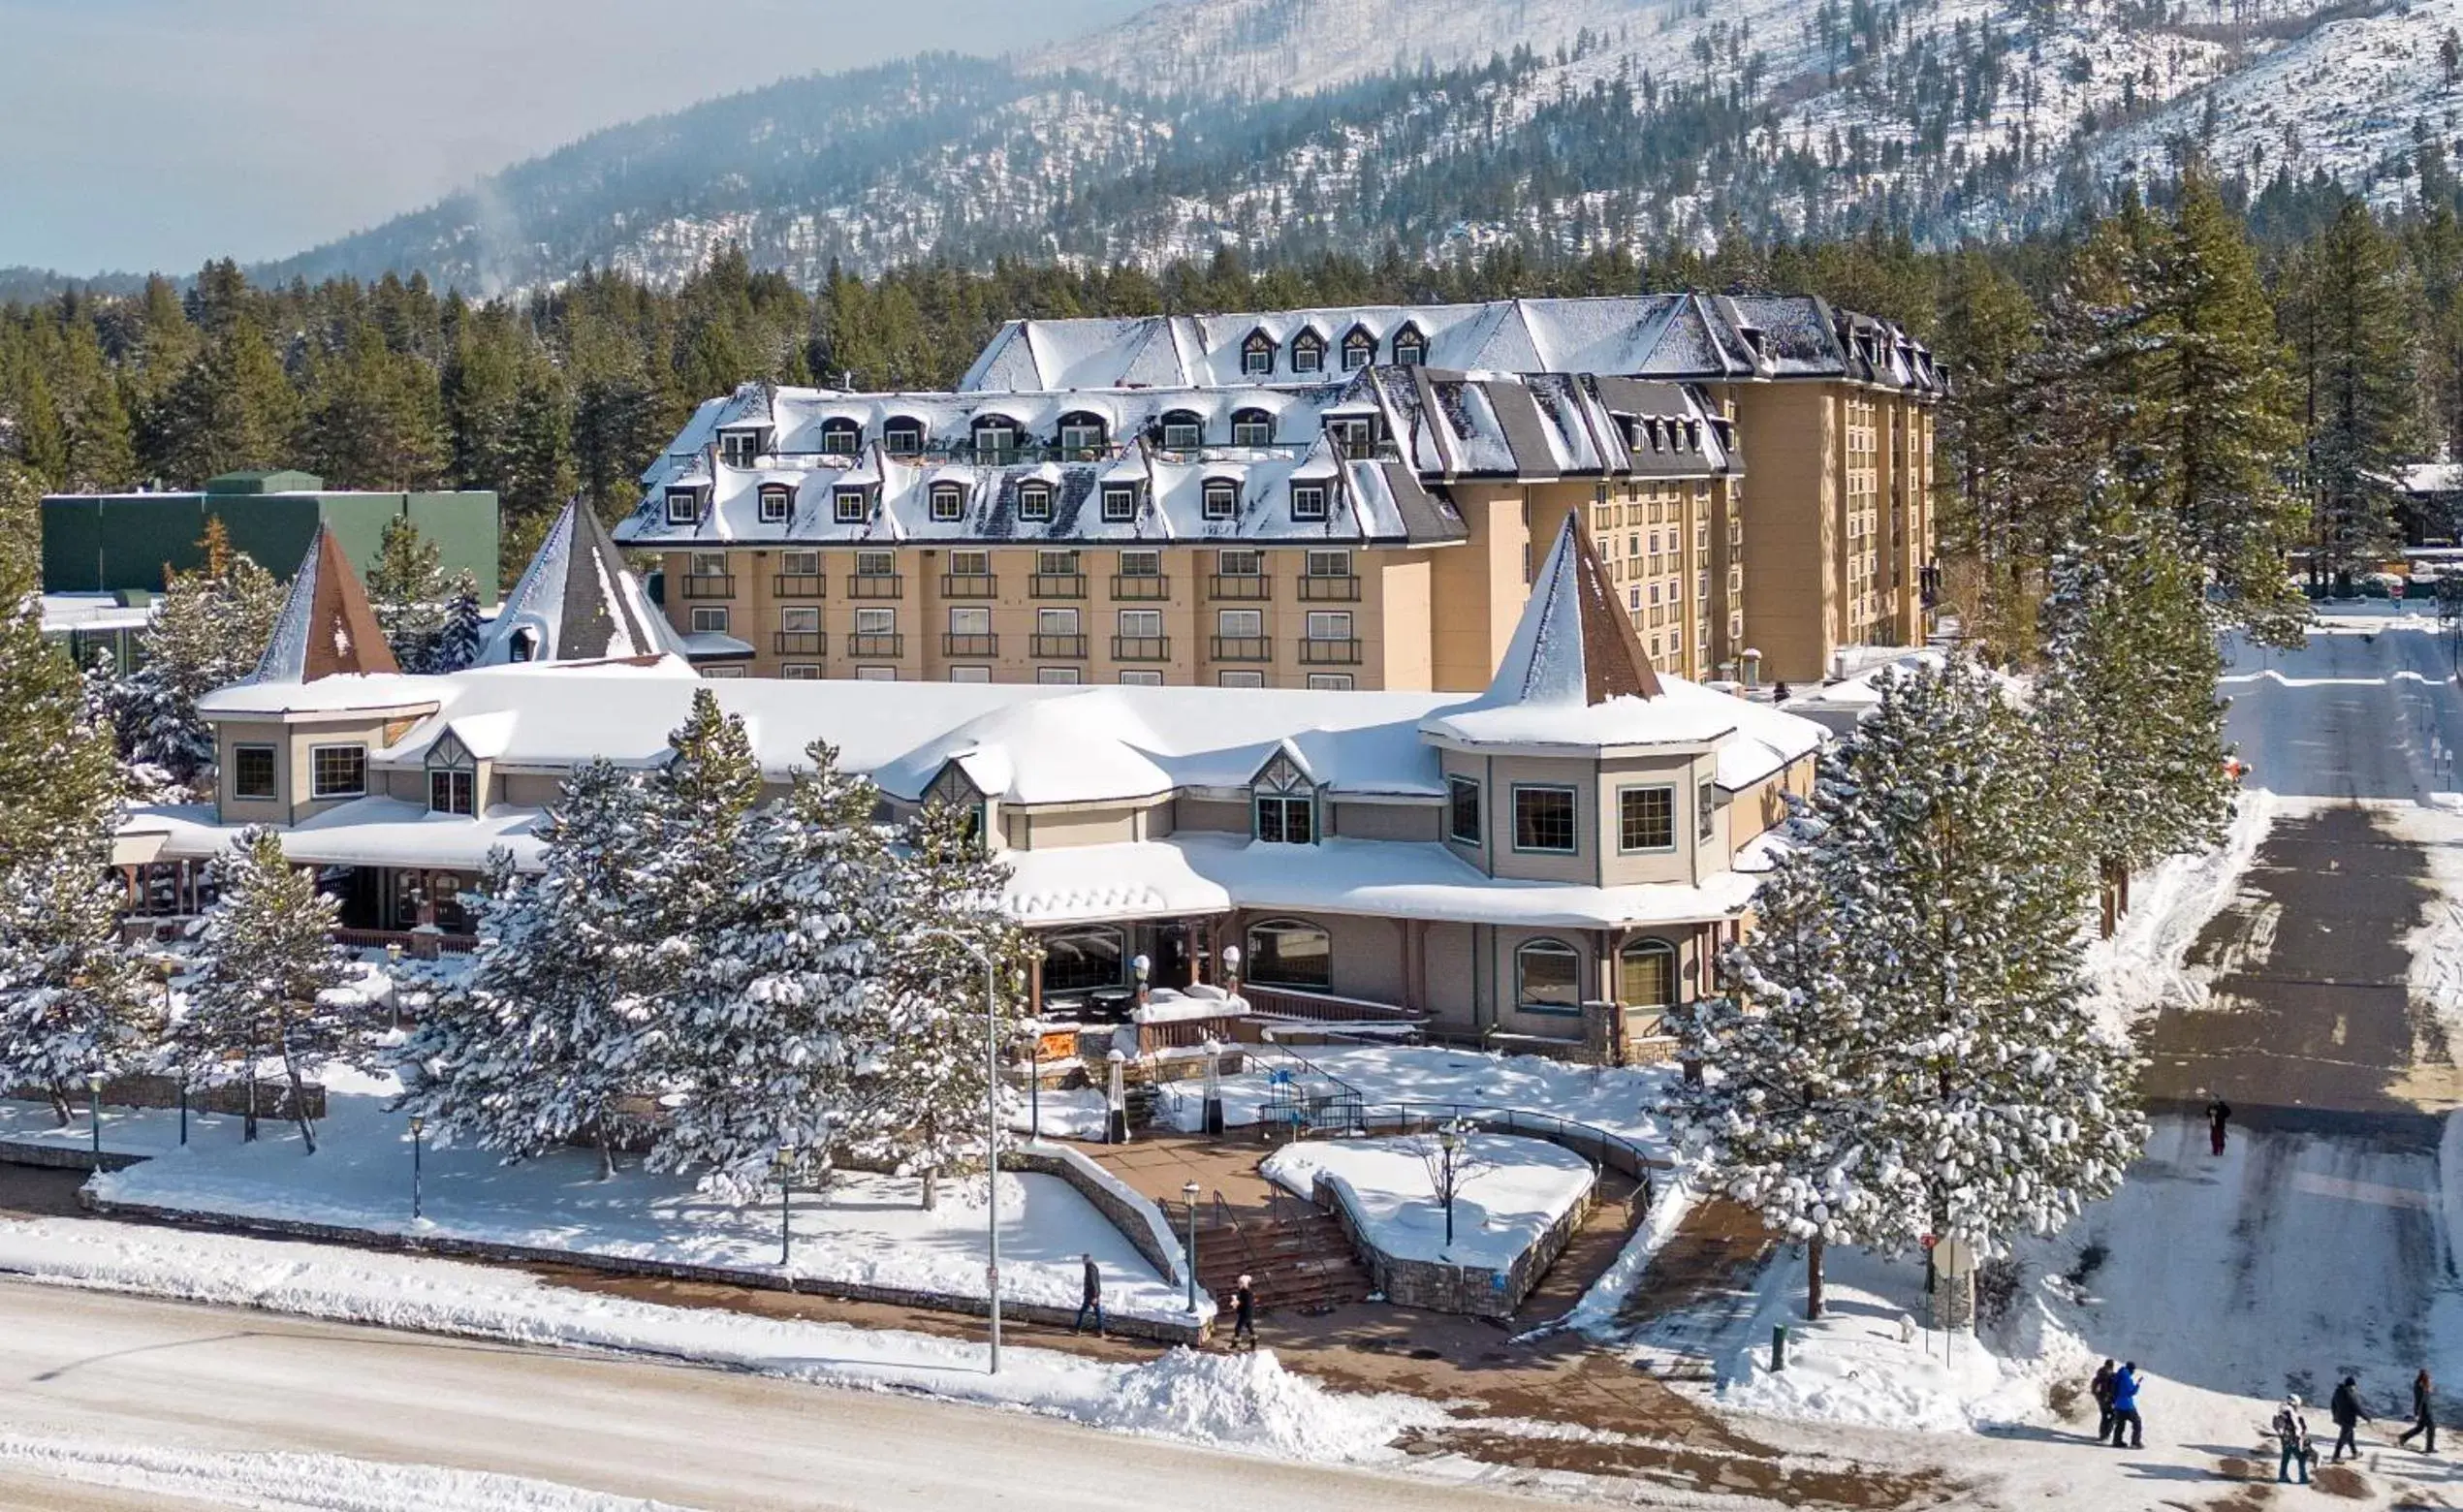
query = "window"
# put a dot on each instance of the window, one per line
(903, 438)
(1353, 438)
(949, 502)
(995, 439)
(1285, 819)
(1327, 564)
(710, 620)
(1056, 622)
(1183, 433)
(1307, 501)
(1359, 349)
(710, 564)
(1057, 678)
(1329, 624)
(800, 619)
(1461, 811)
(1645, 819)
(1140, 624)
(1252, 427)
(840, 437)
(252, 772)
(970, 675)
(876, 622)
(1240, 679)
(724, 674)
(1078, 960)
(1410, 348)
(776, 499)
(1544, 820)
(969, 619)
(1705, 810)
(1119, 502)
(452, 792)
(1081, 433)
(1289, 952)
(1240, 623)
(739, 448)
(1142, 679)
(1257, 355)
(970, 564)
(683, 507)
(1141, 564)
(1035, 501)
(1548, 977)
(851, 505)
(1307, 353)
(1330, 682)
(337, 770)
(876, 674)
(1056, 564)
(801, 672)
(877, 565)
(1240, 564)
(1646, 974)
(1222, 498)
(799, 564)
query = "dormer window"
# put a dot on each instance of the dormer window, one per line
(1410, 348)
(1285, 804)
(1692, 435)
(948, 503)
(1120, 503)
(1307, 501)
(1752, 335)
(1257, 355)
(1354, 437)
(840, 437)
(452, 778)
(1035, 501)
(1252, 427)
(1183, 431)
(995, 439)
(903, 438)
(1222, 498)
(776, 501)
(1359, 349)
(683, 506)
(740, 447)
(1081, 433)
(1307, 353)
(851, 506)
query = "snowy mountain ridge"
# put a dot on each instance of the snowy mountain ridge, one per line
(1303, 126)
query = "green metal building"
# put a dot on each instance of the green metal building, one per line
(109, 543)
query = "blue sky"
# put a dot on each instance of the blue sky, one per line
(155, 134)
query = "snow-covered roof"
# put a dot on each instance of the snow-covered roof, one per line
(366, 831)
(575, 602)
(63, 613)
(326, 628)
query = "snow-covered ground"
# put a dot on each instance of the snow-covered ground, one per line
(1515, 1191)
(126, 1131)
(867, 1230)
(283, 1481)
(2143, 964)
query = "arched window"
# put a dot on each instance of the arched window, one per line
(1258, 354)
(1646, 974)
(1080, 961)
(1307, 353)
(1548, 977)
(1359, 349)
(1182, 430)
(903, 437)
(995, 438)
(1290, 953)
(842, 437)
(1410, 348)
(1081, 432)
(1252, 427)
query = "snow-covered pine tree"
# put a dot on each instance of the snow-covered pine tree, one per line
(920, 1095)
(73, 998)
(1958, 894)
(550, 1028)
(406, 588)
(264, 962)
(1792, 1074)
(209, 629)
(57, 784)
(786, 995)
(456, 642)
(2126, 703)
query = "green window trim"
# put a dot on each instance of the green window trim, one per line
(1573, 819)
(1632, 819)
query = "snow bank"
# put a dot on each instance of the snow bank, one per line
(2436, 944)
(1599, 1307)
(1517, 1192)
(2142, 965)
(327, 1483)
(1249, 1402)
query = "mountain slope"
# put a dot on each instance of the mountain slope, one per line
(1296, 126)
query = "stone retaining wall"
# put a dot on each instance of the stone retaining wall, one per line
(273, 1098)
(64, 1157)
(1477, 1291)
(1138, 1218)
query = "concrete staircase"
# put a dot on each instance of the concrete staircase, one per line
(1297, 1257)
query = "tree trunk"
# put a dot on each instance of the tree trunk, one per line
(931, 1141)
(248, 1072)
(298, 1096)
(606, 1149)
(60, 1103)
(2108, 894)
(1813, 1278)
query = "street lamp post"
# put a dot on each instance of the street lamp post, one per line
(1189, 1191)
(786, 1205)
(1116, 1101)
(419, 1162)
(94, 1112)
(992, 1128)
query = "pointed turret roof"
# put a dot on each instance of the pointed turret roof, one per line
(575, 602)
(325, 629)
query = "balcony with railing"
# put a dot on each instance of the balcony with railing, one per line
(708, 585)
(1329, 653)
(1238, 587)
(1141, 648)
(798, 585)
(969, 585)
(1061, 647)
(1056, 585)
(955, 644)
(798, 643)
(1243, 649)
(1136, 588)
(870, 647)
(1344, 589)
(876, 586)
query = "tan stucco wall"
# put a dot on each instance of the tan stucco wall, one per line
(1384, 821)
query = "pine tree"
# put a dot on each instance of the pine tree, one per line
(73, 998)
(210, 630)
(406, 588)
(265, 960)
(2353, 319)
(375, 420)
(456, 642)
(57, 778)
(232, 408)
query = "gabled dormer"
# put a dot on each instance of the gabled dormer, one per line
(1309, 352)
(1359, 348)
(455, 785)
(954, 786)
(1258, 354)
(1411, 346)
(1283, 802)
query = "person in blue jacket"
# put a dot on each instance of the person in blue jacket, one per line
(2125, 1408)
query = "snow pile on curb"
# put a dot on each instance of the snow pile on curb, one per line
(2142, 965)
(2436, 945)
(327, 1483)
(1238, 1402)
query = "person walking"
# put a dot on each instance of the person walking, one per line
(2423, 1421)
(2218, 1112)
(1245, 1314)
(2125, 1408)
(1090, 1298)
(2345, 1407)
(2292, 1431)
(2102, 1389)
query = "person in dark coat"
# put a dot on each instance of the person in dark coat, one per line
(2125, 1408)
(1090, 1298)
(1245, 1314)
(2345, 1409)
(2218, 1112)
(2423, 1421)
(2102, 1389)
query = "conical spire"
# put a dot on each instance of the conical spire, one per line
(1576, 643)
(326, 629)
(575, 602)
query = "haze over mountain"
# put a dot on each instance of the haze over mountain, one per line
(1287, 126)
